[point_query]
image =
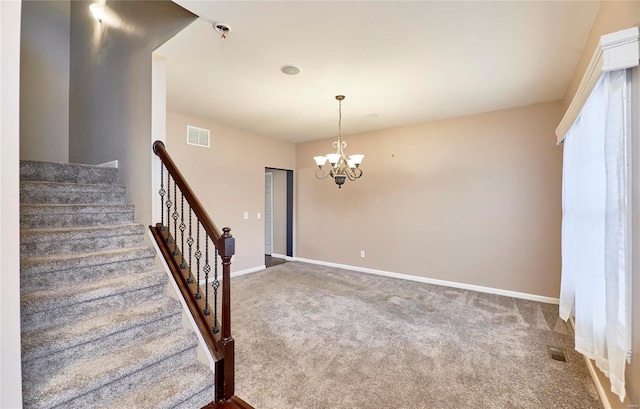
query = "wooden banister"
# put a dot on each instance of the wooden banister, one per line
(208, 225)
(217, 337)
(187, 290)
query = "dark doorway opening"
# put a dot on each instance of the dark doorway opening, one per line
(278, 215)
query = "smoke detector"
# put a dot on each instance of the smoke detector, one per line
(221, 28)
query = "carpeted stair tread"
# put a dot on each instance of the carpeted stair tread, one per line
(43, 265)
(35, 216)
(46, 318)
(189, 387)
(66, 172)
(35, 192)
(64, 295)
(54, 208)
(102, 397)
(90, 329)
(199, 400)
(50, 388)
(121, 340)
(68, 240)
(76, 233)
(76, 276)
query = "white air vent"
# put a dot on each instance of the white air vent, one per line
(198, 136)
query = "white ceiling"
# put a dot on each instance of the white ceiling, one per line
(407, 62)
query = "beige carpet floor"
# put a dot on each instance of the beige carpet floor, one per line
(310, 337)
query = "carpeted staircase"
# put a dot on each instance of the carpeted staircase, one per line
(98, 328)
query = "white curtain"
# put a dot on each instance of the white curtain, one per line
(596, 229)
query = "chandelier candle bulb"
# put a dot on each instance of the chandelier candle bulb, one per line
(341, 167)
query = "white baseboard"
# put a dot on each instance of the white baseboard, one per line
(112, 164)
(481, 289)
(276, 255)
(236, 274)
(248, 271)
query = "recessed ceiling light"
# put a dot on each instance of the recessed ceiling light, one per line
(290, 69)
(371, 116)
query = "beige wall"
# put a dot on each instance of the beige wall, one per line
(279, 211)
(44, 81)
(475, 200)
(229, 179)
(613, 16)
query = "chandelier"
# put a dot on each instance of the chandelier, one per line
(341, 167)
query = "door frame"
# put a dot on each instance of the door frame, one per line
(270, 198)
(289, 204)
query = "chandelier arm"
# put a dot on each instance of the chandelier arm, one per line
(321, 174)
(350, 174)
(357, 172)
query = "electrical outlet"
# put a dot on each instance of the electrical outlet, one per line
(259, 216)
(246, 215)
(362, 253)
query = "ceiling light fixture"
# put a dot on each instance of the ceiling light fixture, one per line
(341, 167)
(97, 9)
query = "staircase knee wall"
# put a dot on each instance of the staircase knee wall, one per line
(202, 351)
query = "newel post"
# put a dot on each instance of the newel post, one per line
(227, 249)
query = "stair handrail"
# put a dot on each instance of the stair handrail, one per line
(210, 227)
(220, 345)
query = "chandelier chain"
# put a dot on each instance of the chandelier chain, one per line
(340, 120)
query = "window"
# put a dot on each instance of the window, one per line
(596, 228)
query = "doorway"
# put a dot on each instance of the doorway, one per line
(278, 215)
